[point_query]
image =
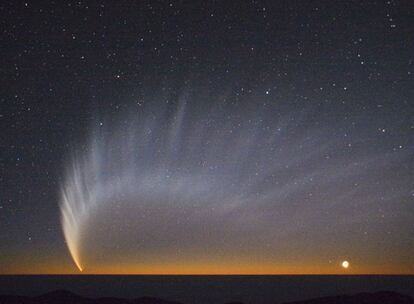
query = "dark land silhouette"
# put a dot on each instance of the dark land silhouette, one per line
(67, 297)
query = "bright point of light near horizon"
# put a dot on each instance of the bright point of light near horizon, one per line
(345, 264)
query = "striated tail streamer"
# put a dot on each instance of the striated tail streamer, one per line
(177, 179)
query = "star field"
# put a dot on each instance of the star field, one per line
(295, 142)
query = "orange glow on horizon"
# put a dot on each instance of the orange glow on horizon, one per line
(200, 268)
(195, 264)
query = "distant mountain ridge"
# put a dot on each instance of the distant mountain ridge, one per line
(67, 297)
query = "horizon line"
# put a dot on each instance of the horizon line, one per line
(206, 275)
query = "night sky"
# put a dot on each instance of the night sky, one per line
(224, 137)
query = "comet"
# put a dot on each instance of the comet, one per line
(170, 180)
(77, 200)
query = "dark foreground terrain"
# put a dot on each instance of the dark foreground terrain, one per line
(66, 297)
(136, 289)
